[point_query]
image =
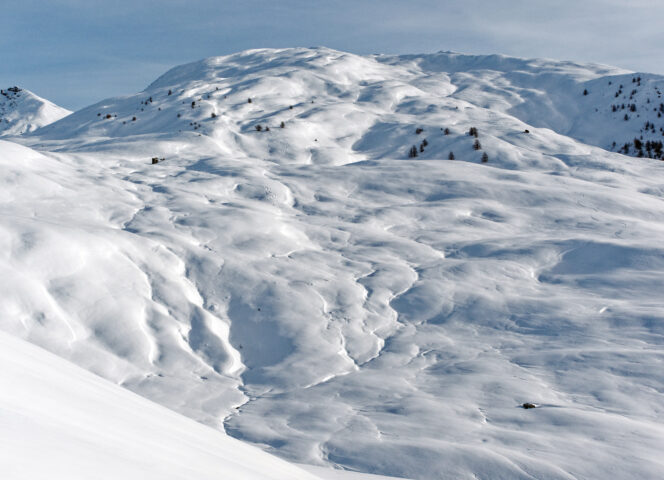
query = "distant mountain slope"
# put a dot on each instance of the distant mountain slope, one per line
(597, 105)
(318, 292)
(21, 111)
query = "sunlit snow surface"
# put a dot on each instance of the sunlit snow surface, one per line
(312, 290)
(21, 111)
(60, 422)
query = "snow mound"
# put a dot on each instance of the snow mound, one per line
(21, 111)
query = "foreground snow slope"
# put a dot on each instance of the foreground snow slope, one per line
(61, 422)
(21, 111)
(312, 290)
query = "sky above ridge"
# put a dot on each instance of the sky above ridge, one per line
(77, 52)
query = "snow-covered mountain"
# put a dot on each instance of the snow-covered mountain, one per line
(595, 104)
(313, 290)
(21, 111)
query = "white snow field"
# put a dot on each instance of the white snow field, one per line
(61, 422)
(312, 290)
(21, 111)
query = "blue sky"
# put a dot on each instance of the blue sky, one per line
(76, 52)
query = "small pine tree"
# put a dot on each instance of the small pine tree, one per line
(193, 104)
(451, 156)
(477, 145)
(282, 125)
(249, 100)
(447, 131)
(473, 132)
(585, 92)
(267, 129)
(214, 115)
(485, 157)
(259, 128)
(412, 153)
(170, 92)
(133, 119)
(422, 148)
(418, 130)
(425, 143)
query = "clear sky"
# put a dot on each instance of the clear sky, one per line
(76, 52)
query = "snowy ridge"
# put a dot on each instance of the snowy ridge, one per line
(21, 111)
(596, 104)
(314, 291)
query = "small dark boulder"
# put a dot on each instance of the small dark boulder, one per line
(529, 405)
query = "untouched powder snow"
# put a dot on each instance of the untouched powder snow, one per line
(21, 111)
(314, 291)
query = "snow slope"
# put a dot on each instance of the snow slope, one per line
(314, 291)
(61, 422)
(596, 104)
(21, 111)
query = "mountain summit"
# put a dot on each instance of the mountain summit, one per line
(21, 111)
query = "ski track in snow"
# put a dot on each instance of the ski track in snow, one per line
(313, 291)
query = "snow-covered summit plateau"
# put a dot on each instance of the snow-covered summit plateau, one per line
(362, 262)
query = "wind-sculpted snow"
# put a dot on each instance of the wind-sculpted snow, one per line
(312, 290)
(60, 422)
